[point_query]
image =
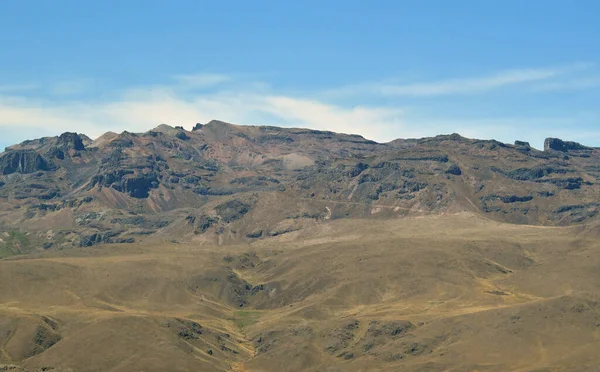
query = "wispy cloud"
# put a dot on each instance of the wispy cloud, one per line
(140, 110)
(460, 86)
(256, 103)
(373, 122)
(18, 88)
(568, 85)
(201, 80)
(470, 85)
(71, 87)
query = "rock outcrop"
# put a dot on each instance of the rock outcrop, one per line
(454, 169)
(127, 181)
(238, 183)
(557, 144)
(23, 161)
(70, 141)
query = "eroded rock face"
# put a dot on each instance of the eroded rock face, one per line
(139, 186)
(70, 141)
(227, 178)
(182, 136)
(104, 238)
(24, 161)
(557, 144)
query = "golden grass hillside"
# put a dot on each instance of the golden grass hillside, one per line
(434, 293)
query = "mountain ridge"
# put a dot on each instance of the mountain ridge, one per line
(220, 181)
(550, 143)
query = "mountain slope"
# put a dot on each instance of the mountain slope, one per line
(226, 183)
(238, 248)
(346, 295)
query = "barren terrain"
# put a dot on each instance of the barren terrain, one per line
(240, 248)
(437, 293)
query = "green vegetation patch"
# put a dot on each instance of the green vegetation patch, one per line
(245, 318)
(15, 242)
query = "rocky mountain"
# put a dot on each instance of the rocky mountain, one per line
(221, 183)
(239, 248)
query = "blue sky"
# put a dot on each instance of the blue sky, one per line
(384, 69)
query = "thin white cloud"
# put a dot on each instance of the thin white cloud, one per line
(569, 85)
(17, 88)
(372, 122)
(467, 85)
(140, 109)
(201, 80)
(71, 87)
(470, 85)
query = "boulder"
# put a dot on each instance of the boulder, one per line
(454, 169)
(255, 234)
